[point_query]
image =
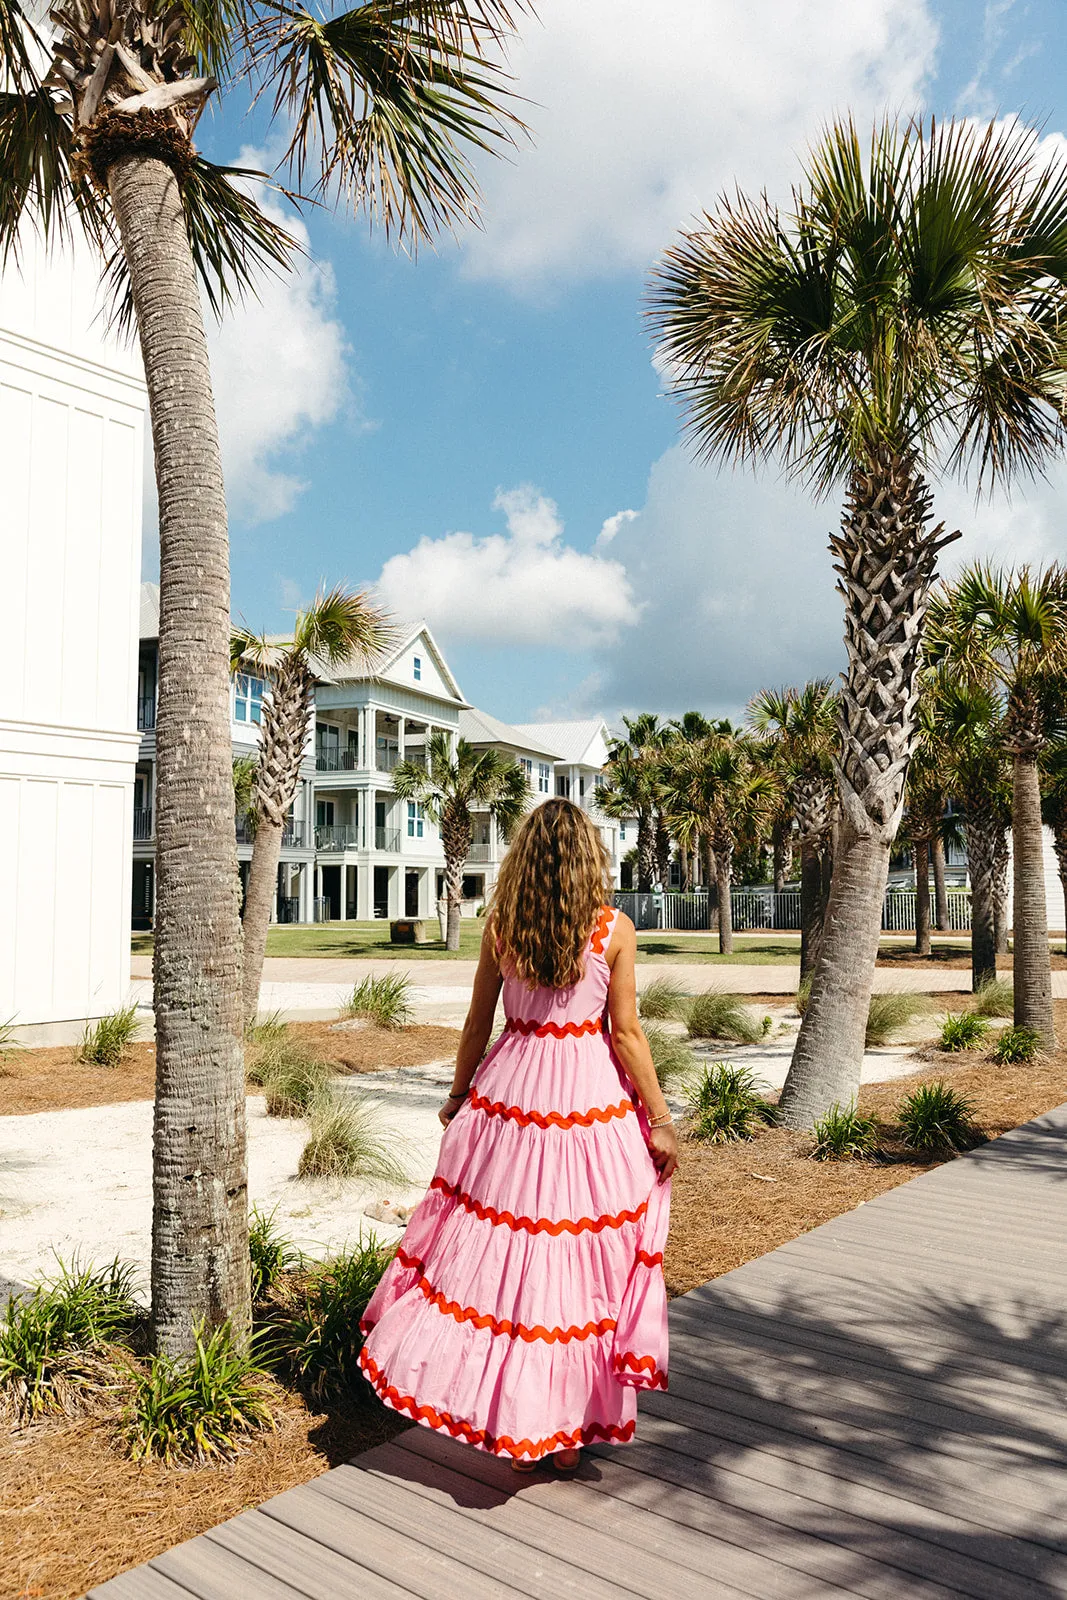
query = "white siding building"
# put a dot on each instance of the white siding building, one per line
(579, 773)
(536, 757)
(72, 407)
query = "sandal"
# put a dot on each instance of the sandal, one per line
(523, 1466)
(566, 1469)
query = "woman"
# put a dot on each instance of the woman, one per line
(526, 1304)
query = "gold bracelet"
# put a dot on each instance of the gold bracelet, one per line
(665, 1121)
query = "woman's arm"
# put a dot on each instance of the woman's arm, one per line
(631, 1046)
(479, 1023)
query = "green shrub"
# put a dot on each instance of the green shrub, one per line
(994, 998)
(888, 1013)
(662, 1000)
(962, 1032)
(804, 994)
(844, 1134)
(292, 1077)
(105, 1043)
(727, 1103)
(270, 1253)
(1017, 1044)
(671, 1056)
(320, 1339)
(197, 1409)
(345, 1140)
(267, 1030)
(935, 1117)
(384, 1001)
(712, 1015)
(53, 1339)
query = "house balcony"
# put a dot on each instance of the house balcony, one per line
(337, 836)
(142, 825)
(293, 834)
(336, 761)
(387, 839)
(146, 713)
(481, 853)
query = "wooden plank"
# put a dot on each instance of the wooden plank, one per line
(725, 1547)
(482, 1535)
(140, 1583)
(211, 1572)
(357, 1536)
(310, 1566)
(949, 1266)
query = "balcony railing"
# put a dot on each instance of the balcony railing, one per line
(292, 834)
(386, 760)
(337, 836)
(146, 712)
(480, 852)
(336, 760)
(142, 824)
(387, 839)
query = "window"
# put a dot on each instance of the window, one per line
(248, 698)
(324, 813)
(622, 832)
(416, 819)
(418, 669)
(563, 786)
(544, 775)
(527, 767)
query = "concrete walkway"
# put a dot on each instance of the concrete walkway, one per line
(878, 1408)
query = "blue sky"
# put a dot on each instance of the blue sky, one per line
(459, 429)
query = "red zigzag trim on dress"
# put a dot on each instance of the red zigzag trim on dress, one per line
(645, 1260)
(543, 1224)
(600, 932)
(501, 1445)
(553, 1119)
(631, 1363)
(555, 1030)
(513, 1330)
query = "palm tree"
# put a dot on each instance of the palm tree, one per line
(1009, 630)
(719, 789)
(97, 115)
(632, 790)
(799, 726)
(341, 626)
(1054, 803)
(906, 315)
(451, 786)
(924, 801)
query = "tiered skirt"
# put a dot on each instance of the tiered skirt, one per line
(526, 1305)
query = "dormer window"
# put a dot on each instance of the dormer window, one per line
(418, 669)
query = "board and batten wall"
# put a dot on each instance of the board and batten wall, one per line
(72, 408)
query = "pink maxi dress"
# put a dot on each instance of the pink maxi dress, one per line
(526, 1305)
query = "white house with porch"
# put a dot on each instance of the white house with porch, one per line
(579, 774)
(72, 406)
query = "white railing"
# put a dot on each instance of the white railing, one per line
(762, 908)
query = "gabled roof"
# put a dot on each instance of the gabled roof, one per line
(149, 628)
(478, 727)
(571, 739)
(406, 636)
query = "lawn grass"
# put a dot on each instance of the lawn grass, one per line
(365, 940)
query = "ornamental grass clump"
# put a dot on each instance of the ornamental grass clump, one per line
(384, 1001)
(320, 1339)
(934, 1118)
(964, 1031)
(662, 1000)
(887, 1014)
(1017, 1045)
(994, 998)
(105, 1043)
(671, 1056)
(271, 1254)
(728, 1103)
(199, 1408)
(55, 1340)
(713, 1015)
(292, 1078)
(845, 1134)
(346, 1140)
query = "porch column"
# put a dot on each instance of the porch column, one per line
(401, 727)
(371, 717)
(361, 735)
(304, 891)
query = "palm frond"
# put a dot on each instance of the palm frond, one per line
(343, 624)
(387, 100)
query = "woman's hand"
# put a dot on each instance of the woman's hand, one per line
(663, 1145)
(449, 1109)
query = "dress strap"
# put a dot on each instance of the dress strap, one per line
(605, 927)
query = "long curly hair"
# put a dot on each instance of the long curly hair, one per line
(552, 884)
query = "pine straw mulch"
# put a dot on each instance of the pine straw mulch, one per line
(954, 957)
(55, 1080)
(75, 1511)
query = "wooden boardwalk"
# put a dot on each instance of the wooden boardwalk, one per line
(877, 1409)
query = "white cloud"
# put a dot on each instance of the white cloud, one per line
(642, 115)
(278, 369)
(523, 587)
(611, 525)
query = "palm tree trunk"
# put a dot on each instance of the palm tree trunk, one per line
(260, 896)
(981, 847)
(1061, 861)
(811, 905)
(778, 845)
(886, 560)
(1001, 859)
(646, 854)
(824, 1068)
(199, 1223)
(937, 855)
(708, 855)
(723, 872)
(662, 844)
(1032, 964)
(922, 897)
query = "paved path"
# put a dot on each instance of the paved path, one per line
(876, 1409)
